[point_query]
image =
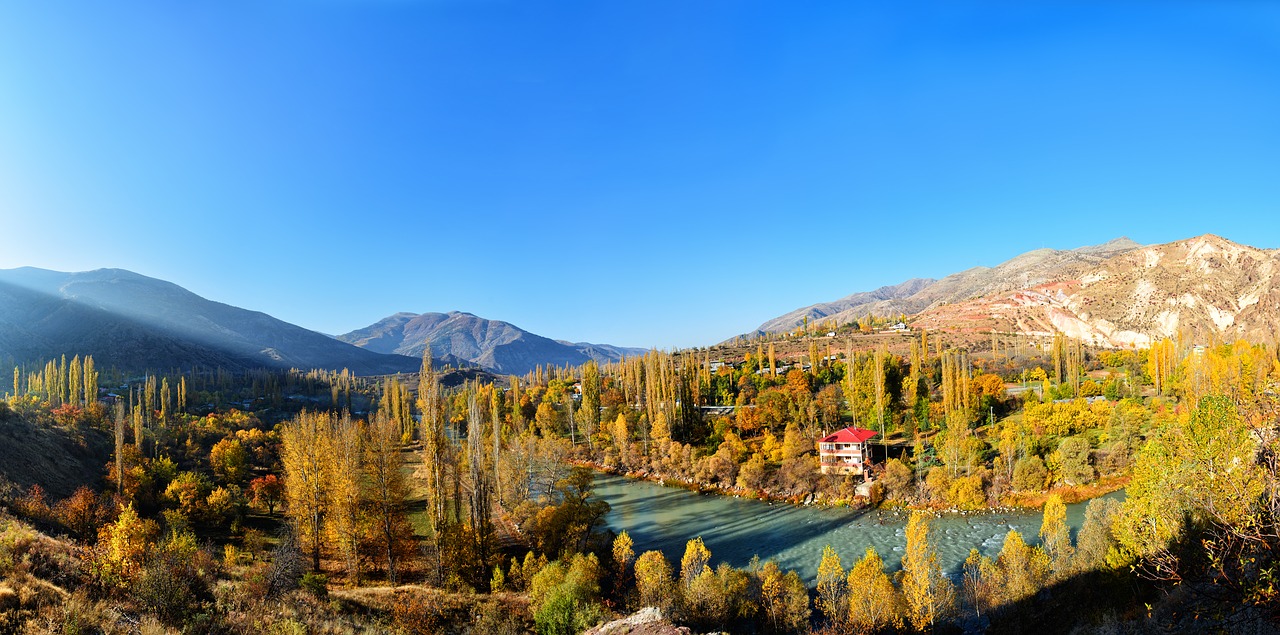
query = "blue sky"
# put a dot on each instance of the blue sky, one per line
(652, 173)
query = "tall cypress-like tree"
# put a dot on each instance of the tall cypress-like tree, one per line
(388, 491)
(305, 446)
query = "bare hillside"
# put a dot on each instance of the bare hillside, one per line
(1204, 288)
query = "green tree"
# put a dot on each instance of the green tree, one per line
(1030, 474)
(1076, 468)
(1198, 473)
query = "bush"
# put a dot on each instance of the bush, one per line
(176, 584)
(566, 599)
(287, 567)
(1030, 474)
(966, 493)
(316, 584)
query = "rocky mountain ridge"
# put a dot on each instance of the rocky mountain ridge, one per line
(1204, 288)
(920, 294)
(494, 345)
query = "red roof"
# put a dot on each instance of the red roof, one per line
(849, 435)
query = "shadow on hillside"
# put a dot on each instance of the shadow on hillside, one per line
(1110, 602)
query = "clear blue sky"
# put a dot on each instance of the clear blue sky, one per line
(648, 173)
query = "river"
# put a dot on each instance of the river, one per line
(735, 529)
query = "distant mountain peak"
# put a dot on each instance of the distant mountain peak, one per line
(494, 345)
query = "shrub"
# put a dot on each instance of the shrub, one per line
(176, 584)
(317, 584)
(1030, 474)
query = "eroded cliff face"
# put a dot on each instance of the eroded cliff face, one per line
(1202, 288)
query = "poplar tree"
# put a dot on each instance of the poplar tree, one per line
(433, 440)
(165, 398)
(119, 438)
(388, 490)
(305, 445)
(343, 473)
(182, 394)
(874, 604)
(90, 381)
(590, 411)
(75, 379)
(929, 595)
(517, 415)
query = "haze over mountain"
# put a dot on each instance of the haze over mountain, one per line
(916, 295)
(495, 345)
(131, 321)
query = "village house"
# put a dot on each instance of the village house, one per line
(845, 451)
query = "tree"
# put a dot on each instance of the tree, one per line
(697, 558)
(565, 600)
(1023, 570)
(928, 594)
(783, 597)
(874, 604)
(1056, 536)
(590, 411)
(1096, 545)
(229, 461)
(1195, 473)
(80, 513)
(979, 582)
(831, 587)
(1030, 474)
(344, 477)
(623, 553)
(1074, 452)
(898, 481)
(388, 490)
(266, 491)
(654, 583)
(117, 559)
(305, 447)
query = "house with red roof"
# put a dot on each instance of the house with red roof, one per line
(845, 451)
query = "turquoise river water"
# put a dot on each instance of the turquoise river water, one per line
(735, 529)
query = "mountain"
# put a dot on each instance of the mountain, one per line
(917, 295)
(1203, 288)
(495, 345)
(131, 321)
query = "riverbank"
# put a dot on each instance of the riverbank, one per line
(858, 502)
(1009, 502)
(736, 528)
(1069, 493)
